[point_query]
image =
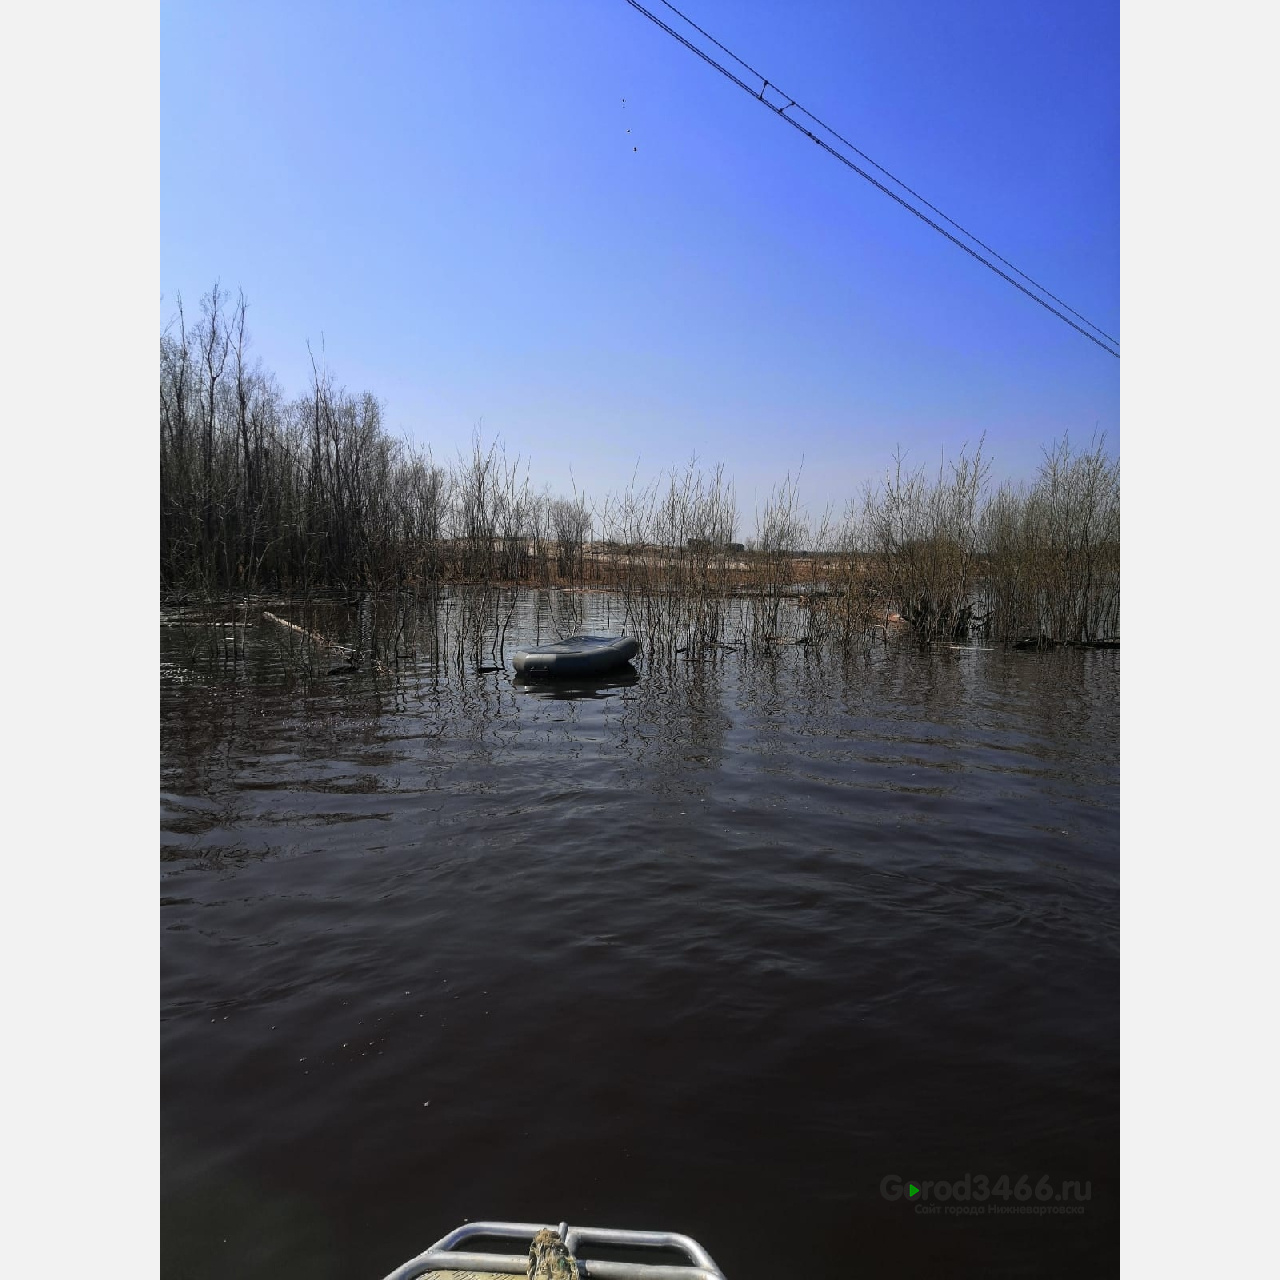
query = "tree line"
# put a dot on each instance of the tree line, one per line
(260, 491)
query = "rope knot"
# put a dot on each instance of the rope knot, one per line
(549, 1259)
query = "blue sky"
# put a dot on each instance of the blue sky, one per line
(446, 194)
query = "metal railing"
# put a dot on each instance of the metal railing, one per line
(445, 1256)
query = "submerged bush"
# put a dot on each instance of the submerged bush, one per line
(259, 491)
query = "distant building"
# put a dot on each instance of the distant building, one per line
(704, 544)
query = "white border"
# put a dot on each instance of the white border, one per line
(79, 90)
(1198, 835)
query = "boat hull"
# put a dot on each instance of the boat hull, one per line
(576, 656)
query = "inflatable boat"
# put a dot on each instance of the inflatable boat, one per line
(551, 1252)
(576, 656)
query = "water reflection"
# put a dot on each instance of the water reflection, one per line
(573, 687)
(803, 912)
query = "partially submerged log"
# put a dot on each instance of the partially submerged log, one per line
(313, 636)
(349, 652)
(1044, 642)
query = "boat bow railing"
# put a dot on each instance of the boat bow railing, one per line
(445, 1255)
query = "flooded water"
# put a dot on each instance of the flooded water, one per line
(734, 947)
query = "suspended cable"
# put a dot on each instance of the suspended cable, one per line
(857, 151)
(781, 112)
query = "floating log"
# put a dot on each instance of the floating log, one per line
(1043, 642)
(311, 635)
(351, 654)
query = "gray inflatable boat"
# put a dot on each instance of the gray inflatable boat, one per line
(576, 656)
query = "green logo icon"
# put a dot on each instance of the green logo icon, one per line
(912, 1190)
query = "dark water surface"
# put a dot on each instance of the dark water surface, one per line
(713, 951)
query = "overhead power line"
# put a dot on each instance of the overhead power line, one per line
(781, 113)
(822, 125)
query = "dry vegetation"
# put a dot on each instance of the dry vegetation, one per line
(309, 495)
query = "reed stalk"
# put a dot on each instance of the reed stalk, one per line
(312, 496)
